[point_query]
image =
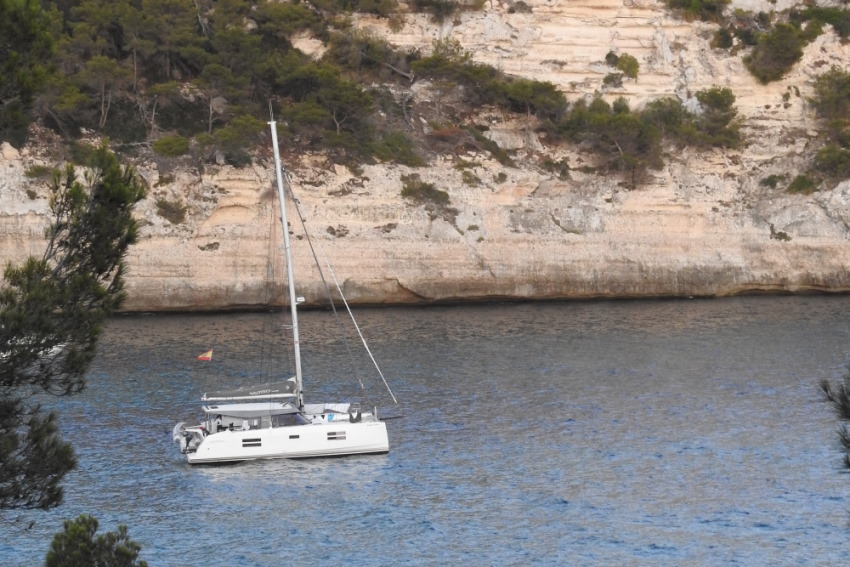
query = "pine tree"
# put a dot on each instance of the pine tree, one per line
(51, 313)
(77, 546)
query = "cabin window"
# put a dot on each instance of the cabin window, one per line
(288, 419)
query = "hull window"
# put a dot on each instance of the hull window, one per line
(336, 436)
(252, 442)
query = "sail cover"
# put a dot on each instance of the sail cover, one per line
(257, 392)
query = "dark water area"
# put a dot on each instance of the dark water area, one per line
(660, 433)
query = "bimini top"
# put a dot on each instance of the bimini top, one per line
(250, 410)
(259, 392)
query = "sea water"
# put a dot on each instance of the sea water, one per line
(663, 433)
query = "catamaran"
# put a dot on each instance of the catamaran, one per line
(271, 421)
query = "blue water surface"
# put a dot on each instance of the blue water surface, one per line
(663, 433)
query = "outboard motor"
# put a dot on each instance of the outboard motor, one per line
(181, 437)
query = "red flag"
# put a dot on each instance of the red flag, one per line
(206, 356)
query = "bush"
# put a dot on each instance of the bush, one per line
(398, 148)
(722, 39)
(616, 134)
(421, 192)
(171, 146)
(39, 172)
(833, 161)
(802, 184)
(470, 178)
(172, 211)
(772, 180)
(77, 546)
(838, 18)
(628, 65)
(705, 10)
(614, 80)
(717, 125)
(519, 7)
(81, 153)
(775, 53)
(440, 10)
(832, 94)
(492, 147)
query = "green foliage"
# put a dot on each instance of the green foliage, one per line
(775, 52)
(491, 147)
(717, 125)
(838, 18)
(433, 200)
(705, 10)
(470, 178)
(81, 153)
(78, 546)
(614, 80)
(722, 39)
(832, 94)
(365, 53)
(628, 65)
(833, 161)
(668, 116)
(241, 133)
(439, 9)
(560, 168)
(772, 180)
(831, 101)
(839, 396)
(51, 312)
(419, 191)
(630, 142)
(39, 172)
(279, 21)
(802, 184)
(172, 211)
(397, 147)
(383, 8)
(541, 98)
(621, 138)
(27, 41)
(171, 146)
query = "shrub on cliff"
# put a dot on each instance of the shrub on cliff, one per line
(171, 146)
(717, 125)
(705, 10)
(620, 137)
(419, 191)
(838, 18)
(833, 161)
(776, 52)
(831, 101)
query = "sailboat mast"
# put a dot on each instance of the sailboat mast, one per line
(293, 304)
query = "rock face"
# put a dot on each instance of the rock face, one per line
(702, 226)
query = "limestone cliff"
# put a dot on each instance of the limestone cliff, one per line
(702, 226)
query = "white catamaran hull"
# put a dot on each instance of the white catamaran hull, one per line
(293, 442)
